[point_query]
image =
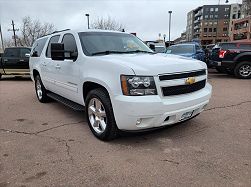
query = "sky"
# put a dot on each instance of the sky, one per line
(147, 18)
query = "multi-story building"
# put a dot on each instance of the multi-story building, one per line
(241, 29)
(235, 13)
(190, 26)
(209, 24)
(246, 8)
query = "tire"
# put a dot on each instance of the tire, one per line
(220, 69)
(243, 70)
(41, 92)
(99, 114)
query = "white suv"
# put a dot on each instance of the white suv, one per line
(122, 83)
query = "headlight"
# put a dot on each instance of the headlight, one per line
(138, 85)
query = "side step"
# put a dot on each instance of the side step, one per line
(66, 102)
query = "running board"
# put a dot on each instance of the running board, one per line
(66, 102)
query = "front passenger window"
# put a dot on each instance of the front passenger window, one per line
(70, 45)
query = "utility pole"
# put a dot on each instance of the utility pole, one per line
(1, 35)
(14, 32)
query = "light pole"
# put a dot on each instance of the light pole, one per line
(164, 36)
(88, 20)
(1, 35)
(170, 18)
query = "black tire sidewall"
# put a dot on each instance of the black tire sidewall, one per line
(237, 68)
(111, 127)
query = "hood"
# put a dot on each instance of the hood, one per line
(154, 64)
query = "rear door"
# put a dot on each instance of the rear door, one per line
(24, 60)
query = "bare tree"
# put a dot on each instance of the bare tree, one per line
(107, 24)
(32, 30)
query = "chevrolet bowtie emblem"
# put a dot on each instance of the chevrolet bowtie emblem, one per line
(190, 80)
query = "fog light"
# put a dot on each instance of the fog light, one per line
(138, 121)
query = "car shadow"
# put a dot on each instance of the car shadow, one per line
(15, 78)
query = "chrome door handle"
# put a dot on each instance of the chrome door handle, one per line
(58, 66)
(21, 60)
(44, 64)
(5, 60)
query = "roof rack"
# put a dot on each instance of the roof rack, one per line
(60, 31)
(57, 32)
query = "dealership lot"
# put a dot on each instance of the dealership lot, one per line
(51, 145)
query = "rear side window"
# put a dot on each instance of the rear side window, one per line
(54, 39)
(229, 46)
(12, 52)
(38, 47)
(245, 46)
(24, 51)
(69, 44)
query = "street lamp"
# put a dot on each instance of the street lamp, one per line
(88, 20)
(170, 18)
(164, 36)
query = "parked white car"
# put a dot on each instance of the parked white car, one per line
(122, 84)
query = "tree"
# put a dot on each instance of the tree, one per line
(107, 24)
(31, 30)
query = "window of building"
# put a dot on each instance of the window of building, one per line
(215, 29)
(210, 30)
(211, 16)
(206, 23)
(210, 23)
(226, 15)
(205, 29)
(234, 16)
(216, 9)
(225, 29)
(206, 16)
(215, 23)
(216, 16)
(211, 9)
(226, 9)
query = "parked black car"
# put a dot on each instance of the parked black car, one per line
(15, 61)
(232, 58)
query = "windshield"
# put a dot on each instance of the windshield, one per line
(180, 49)
(103, 43)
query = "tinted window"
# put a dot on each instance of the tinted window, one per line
(54, 39)
(12, 52)
(24, 51)
(38, 47)
(245, 46)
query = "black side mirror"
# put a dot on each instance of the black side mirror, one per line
(57, 51)
(152, 47)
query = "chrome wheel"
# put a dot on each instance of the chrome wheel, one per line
(245, 70)
(97, 115)
(39, 90)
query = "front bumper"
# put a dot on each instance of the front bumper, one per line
(154, 111)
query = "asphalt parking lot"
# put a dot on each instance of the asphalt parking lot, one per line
(51, 145)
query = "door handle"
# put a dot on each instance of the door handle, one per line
(58, 66)
(44, 64)
(21, 60)
(5, 60)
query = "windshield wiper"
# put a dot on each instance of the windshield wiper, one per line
(107, 52)
(120, 52)
(140, 51)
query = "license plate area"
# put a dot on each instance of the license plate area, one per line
(186, 115)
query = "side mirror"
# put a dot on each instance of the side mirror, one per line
(57, 51)
(27, 55)
(152, 47)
